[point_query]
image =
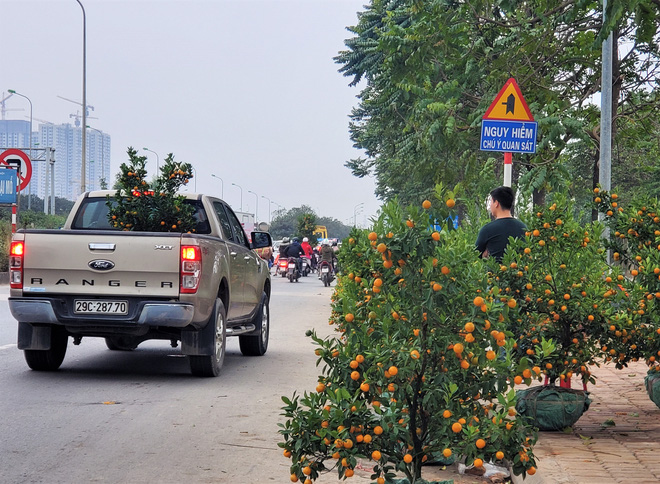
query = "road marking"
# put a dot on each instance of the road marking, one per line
(6, 347)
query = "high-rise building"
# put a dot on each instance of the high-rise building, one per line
(67, 142)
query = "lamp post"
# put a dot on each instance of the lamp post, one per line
(359, 205)
(256, 207)
(157, 159)
(102, 182)
(83, 174)
(194, 176)
(269, 202)
(11, 91)
(241, 194)
(222, 187)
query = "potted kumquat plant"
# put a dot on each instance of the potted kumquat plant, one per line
(422, 366)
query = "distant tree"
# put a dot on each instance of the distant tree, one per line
(307, 226)
(285, 223)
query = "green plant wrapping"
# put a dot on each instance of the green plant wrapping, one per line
(553, 408)
(652, 384)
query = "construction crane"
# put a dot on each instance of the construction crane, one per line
(3, 108)
(77, 116)
(79, 104)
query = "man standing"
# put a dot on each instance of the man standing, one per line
(494, 236)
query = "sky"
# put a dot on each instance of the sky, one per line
(246, 90)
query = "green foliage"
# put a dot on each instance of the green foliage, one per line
(307, 226)
(419, 366)
(151, 206)
(285, 223)
(432, 68)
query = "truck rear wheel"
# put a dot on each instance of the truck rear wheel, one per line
(50, 359)
(256, 345)
(210, 365)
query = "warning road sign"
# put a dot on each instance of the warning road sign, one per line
(26, 164)
(509, 104)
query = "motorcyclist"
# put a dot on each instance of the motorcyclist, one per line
(284, 246)
(296, 250)
(327, 254)
(308, 252)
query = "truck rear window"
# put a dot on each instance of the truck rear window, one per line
(93, 215)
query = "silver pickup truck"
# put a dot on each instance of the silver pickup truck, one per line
(91, 279)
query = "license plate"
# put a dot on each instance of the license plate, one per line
(292, 266)
(82, 306)
(325, 269)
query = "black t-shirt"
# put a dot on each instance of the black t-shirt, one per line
(494, 236)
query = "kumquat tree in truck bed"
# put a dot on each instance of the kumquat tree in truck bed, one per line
(421, 368)
(151, 206)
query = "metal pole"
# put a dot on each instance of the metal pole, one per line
(157, 159)
(52, 186)
(604, 172)
(269, 202)
(47, 185)
(222, 186)
(83, 172)
(11, 91)
(508, 168)
(256, 207)
(241, 194)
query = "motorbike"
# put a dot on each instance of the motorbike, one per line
(306, 266)
(292, 270)
(326, 273)
(282, 266)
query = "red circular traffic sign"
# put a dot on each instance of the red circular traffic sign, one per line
(26, 164)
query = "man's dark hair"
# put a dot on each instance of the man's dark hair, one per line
(505, 196)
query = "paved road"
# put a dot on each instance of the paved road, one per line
(134, 417)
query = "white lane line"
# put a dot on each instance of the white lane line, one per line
(7, 347)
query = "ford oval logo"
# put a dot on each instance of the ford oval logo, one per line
(101, 264)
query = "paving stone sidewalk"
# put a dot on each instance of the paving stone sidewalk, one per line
(595, 451)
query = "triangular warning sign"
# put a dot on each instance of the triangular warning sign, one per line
(509, 104)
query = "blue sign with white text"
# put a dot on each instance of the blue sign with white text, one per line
(508, 136)
(7, 185)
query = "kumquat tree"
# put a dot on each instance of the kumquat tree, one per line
(422, 367)
(151, 206)
(568, 294)
(635, 246)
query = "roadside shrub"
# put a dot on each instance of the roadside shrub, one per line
(422, 366)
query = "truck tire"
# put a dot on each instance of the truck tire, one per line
(256, 345)
(210, 365)
(51, 359)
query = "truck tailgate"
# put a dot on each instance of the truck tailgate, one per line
(102, 264)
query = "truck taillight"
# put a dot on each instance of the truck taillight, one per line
(16, 252)
(191, 268)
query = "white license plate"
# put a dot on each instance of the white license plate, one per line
(292, 266)
(81, 306)
(325, 269)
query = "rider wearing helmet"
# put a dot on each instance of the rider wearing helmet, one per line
(327, 254)
(295, 250)
(284, 246)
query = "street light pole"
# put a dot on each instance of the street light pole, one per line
(83, 173)
(157, 159)
(222, 186)
(241, 194)
(102, 179)
(11, 91)
(269, 202)
(355, 213)
(256, 207)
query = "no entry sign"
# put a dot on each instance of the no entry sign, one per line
(26, 164)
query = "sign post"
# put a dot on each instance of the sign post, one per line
(19, 158)
(508, 126)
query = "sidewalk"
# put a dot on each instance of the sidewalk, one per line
(595, 452)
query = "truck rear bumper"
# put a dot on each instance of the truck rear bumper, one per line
(154, 313)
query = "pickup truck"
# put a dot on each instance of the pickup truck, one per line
(91, 279)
